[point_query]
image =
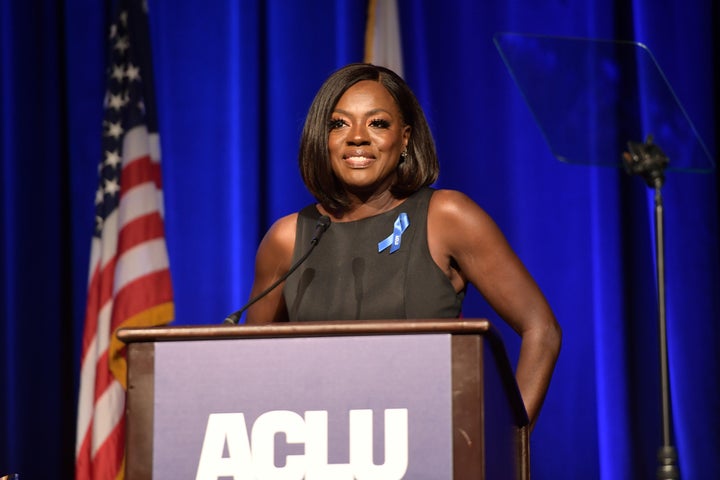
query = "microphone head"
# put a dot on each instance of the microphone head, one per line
(323, 224)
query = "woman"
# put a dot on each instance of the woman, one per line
(396, 248)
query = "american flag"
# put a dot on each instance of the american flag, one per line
(129, 279)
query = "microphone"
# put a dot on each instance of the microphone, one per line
(322, 225)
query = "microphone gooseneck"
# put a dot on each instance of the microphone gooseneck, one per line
(322, 225)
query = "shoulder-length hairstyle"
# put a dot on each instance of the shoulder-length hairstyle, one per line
(419, 168)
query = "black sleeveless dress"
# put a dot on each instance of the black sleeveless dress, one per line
(375, 268)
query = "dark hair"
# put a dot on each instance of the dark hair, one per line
(418, 169)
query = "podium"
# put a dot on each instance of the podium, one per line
(415, 399)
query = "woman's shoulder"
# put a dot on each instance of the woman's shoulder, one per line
(451, 202)
(288, 222)
(451, 212)
(281, 234)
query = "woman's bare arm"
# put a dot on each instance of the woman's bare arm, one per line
(272, 261)
(467, 243)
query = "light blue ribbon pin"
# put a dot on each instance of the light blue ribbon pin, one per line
(394, 239)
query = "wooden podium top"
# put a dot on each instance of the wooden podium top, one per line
(293, 329)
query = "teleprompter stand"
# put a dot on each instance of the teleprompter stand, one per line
(589, 97)
(649, 162)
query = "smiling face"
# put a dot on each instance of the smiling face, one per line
(367, 136)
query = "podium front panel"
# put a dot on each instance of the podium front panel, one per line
(309, 407)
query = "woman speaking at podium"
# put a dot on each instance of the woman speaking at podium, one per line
(394, 248)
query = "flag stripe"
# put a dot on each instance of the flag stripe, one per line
(93, 305)
(135, 145)
(137, 173)
(112, 403)
(86, 400)
(103, 377)
(82, 455)
(109, 239)
(108, 457)
(134, 299)
(142, 229)
(144, 259)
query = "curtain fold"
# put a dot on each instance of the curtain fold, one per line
(234, 81)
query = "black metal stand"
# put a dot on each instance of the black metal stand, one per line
(649, 161)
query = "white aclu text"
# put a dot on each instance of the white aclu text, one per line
(252, 457)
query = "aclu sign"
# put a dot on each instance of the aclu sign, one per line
(315, 408)
(230, 449)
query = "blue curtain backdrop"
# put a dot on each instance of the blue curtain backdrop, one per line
(234, 80)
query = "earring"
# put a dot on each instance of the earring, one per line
(404, 154)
